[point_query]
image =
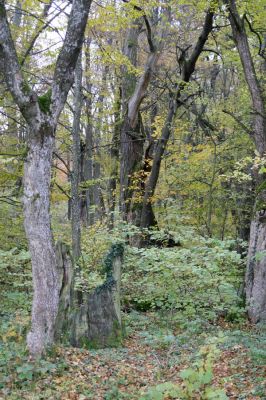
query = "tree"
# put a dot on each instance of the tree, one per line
(133, 93)
(187, 67)
(256, 268)
(41, 114)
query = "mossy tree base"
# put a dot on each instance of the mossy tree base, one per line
(92, 320)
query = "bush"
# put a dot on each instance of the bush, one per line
(199, 281)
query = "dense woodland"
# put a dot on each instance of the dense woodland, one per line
(132, 199)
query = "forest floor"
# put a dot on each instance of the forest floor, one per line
(151, 353)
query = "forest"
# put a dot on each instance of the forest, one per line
(132, 199)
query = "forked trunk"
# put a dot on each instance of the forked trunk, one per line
(37, 177)
(41, 114)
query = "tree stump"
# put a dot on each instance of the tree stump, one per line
(95, 320)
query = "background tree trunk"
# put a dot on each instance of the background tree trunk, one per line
(187, 66)
(132, 135)
(87, 211)
(76, 169)
(256, 267)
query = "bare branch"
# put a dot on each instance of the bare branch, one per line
(260, 53)
(62, 160)
(62, 190)
(35, 37)
(189, 65)
(66, 62)
(9, 65)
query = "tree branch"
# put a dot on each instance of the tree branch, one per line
(260, 53)
(62, 190)
(67, 59)
(240, 123)
(189, 65)
(35, 37)
(62, 160)
(9, 65)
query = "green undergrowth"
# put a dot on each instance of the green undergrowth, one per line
(182, 311)
(183, 363)
(196, 278)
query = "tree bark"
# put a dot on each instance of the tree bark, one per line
(96, 322)
(132, 138)
(76, 169)
(37, 174)
(256, 266)
(114, 155)
(42, 122)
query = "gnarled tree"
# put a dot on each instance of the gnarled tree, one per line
(133, 93)
(187, 66)
(41, 114)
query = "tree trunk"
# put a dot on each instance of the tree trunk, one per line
(41, 114)
(132, 138)
(256, 270)
(187, 69)
(114, 155)
(132, 149)
(87, 202)
(76, 157)
(256, 267)
(96, 322)
(37, 177)
(147, 215)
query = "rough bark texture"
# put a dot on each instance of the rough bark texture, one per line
(114, 155)
(42, 123)
(37, 172)
(66, 284)
(96, 322)
(256, 271)
(132, 138)
(256, 267)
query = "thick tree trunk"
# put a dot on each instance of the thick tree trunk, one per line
(132, 138)
(96, 322)
(132, 149)
(41, 114)
(147, 215)
(256, 270)
(114, 155)
(256, 267)
(37, 176)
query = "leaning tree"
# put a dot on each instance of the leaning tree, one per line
(41, 113)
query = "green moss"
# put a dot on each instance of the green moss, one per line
(45, 101)
(26, 89)
(117, 250)
(114, 340)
